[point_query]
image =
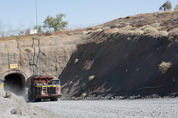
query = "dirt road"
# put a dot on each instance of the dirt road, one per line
(148, 108)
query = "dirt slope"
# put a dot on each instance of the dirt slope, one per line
(14, 107)
(120, 66)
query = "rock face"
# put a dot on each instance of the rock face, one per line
(53, 56)
(101, 64)
(121, 67)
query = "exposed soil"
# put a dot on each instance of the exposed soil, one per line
(121, 67)
(14, 107)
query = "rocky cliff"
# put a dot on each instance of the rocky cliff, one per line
(103, 63)
(51, 59)
(118, 64)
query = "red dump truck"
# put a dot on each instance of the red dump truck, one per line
(43, 87)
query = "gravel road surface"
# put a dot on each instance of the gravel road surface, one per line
(145, 108)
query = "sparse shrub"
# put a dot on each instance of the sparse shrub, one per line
(83, 95)
(89, 32)
(70, 34)
(145, 27)
(133, 28)
(66, 29)
(98, 27)
(129, 38)
(84, 32)
(76, 29)
(135, 32)
(162, 34)
(173, 35)
(28, 49)
(98, 30)
(47, 33)
(34, 37)
(76, 61)
(106, 28)
(13, 41)
(114, 25)
(91, 77)
(150, 30)
(89, 28)
(127, 27)
(115, 30)
(117, 24)
(123, 23)
(164, 66)
(17, 37)
(156, 25)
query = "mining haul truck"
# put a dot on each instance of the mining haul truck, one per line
(43, 87)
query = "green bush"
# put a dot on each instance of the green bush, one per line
(173, 35)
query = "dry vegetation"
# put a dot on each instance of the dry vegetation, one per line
(135, 25)
(162, 34)
(135, 32)
(173, 35)
(90, 78)
(164, 66)
(150, 30)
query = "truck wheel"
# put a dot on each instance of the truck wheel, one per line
(29, 95)
(54, 99)
(37, 100)
(34, 95)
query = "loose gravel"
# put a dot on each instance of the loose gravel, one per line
(144, 108)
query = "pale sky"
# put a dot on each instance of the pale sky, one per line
(21, 14)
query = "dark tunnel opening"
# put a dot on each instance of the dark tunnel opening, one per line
(15, 83)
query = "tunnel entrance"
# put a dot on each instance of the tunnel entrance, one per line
(15, 82)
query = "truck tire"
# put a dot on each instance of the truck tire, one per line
(37, 100)
(54, 99)
(34, 95)
(29, 95)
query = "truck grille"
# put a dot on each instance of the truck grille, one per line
(51, 90)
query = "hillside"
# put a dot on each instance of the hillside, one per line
(115, 63)
(131, 56)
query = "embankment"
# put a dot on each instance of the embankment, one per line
(116, 64)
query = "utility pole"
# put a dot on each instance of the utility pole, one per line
(36, 15)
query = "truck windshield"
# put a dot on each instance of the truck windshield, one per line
(54, 82)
